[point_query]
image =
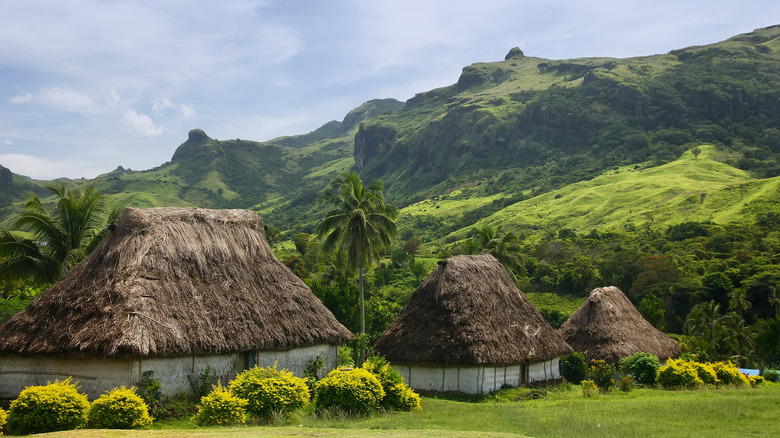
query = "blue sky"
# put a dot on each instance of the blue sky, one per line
(89, 85)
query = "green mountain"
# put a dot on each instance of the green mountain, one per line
(589, 143)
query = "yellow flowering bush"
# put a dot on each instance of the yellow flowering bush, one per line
(270, 390)
(120, 408)
(401, 397)
(706, 372)
(589, 388)
(221, 407)
(728, 374)
(679, 373)
(354, 390)
(756, 380)
(3, 419)
(50, 408)
(398, 395)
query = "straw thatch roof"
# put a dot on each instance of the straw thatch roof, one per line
(174, 282)
(469, 312)
(608, 327)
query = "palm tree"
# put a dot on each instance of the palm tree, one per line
(60, 237)
(738, 301)
(706, 322)
(774, 300)
(740, 336)
(359, 227)
(505, 247)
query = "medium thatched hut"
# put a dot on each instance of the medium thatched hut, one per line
(170, 290)
(608, 327)
(468, 328)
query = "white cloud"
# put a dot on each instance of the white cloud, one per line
(141, 123)
(40, 168)
(159, 106)
(63, 98)
(187, 112)
(22, 99)
(162, 107)
(7, 141)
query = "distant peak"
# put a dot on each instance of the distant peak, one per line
(515, 52)
(197, 135)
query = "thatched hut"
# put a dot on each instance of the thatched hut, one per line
(468, 328)
(608, 327)
(170, 290)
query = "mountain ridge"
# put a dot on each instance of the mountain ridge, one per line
(510, 129)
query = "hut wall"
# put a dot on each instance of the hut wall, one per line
(541, 371)
(298, 359)
(98, 375)
(465, 379)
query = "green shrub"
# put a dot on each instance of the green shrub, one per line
(221, 407)
(149, 390)
(626, 384)
(642, 367)
(772, 376)
(205, 382)
(728, 374)
(120, 408)
(3, 419)
(353, 390)
(574, 368)
(398, 395)
(268, 390)
(56, 406)
(589, 388)
(706, 373)
(602, 374)
(679, 374)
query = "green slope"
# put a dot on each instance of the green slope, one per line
(688, 189)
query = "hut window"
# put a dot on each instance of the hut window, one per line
(248, 359)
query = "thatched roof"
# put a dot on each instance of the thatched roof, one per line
(608, 327)
(469, 312)
(174, 282)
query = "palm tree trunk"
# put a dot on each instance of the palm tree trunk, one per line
(362, 317)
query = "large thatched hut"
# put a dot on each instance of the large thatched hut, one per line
(608, 327)
(170, 290)
(468, 328)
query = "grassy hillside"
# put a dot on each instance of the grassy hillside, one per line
(688, 189)
(691, 188)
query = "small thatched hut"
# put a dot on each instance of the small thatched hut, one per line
(170, 290)
(608, 327)
(468, 328)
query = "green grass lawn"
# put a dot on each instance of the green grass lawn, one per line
(558, 413)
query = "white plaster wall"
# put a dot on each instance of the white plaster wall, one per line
(541, 371)
(298, 359)
(94, 376)
(489, 379)
(513, 375)
(426, 378)
(97, 375)
(469, 382)
(475, 379)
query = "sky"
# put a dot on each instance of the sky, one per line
(89, 85)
